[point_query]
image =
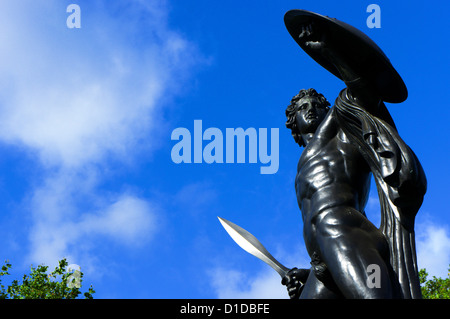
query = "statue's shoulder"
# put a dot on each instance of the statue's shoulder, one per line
(326, 132)
(329, 127)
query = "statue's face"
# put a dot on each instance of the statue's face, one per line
(310, 113)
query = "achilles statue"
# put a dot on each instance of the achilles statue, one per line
(343, 147)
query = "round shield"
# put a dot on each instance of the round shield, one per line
(362, 54)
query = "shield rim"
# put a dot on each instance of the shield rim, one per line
(375, 65)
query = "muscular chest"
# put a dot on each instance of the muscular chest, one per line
(329, 163)
(316, 169)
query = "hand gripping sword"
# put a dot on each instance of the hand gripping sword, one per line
(250, 244)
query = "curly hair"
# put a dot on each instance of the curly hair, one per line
(291, 111)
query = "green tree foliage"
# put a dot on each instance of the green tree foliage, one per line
(59, 284)
(435, 288)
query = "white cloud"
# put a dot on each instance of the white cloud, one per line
(79, 97)
(130, 220)
(62, 226)
(433, 249)
(232, 284)
(229, 283)
(76, 96)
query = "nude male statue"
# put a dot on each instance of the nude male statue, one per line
(332, 186)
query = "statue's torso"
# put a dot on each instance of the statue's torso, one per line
(331, 172)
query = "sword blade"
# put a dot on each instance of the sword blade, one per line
(250, 244)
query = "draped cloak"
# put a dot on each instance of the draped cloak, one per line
(400, 180)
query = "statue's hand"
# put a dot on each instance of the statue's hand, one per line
(294, 280)
(312, 37)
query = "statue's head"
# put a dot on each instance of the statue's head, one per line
(305, 113)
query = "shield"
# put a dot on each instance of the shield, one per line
(362, 54)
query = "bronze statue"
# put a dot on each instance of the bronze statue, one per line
(343, 146)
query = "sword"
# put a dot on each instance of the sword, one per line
(250, 244)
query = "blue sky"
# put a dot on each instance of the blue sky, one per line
(86, 117)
